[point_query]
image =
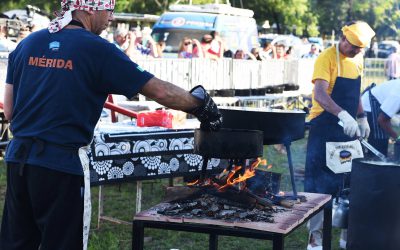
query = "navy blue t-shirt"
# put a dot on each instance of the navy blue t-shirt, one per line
(60, 83)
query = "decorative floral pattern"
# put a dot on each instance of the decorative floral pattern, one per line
(107, 161)
(101, 167)
(192, 159)
(115, 173)
(151, 162)
(159, 145)
(141, 146)
(164, 168)
(214, 162)
(102, 149)
(128, 168)
(174, 164)
(124, 147)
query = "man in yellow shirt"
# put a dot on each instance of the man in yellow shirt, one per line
(336, 97)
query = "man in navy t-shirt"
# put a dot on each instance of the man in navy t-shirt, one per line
(57, 82)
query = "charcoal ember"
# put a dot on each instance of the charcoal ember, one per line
(226, 213)
(226, 207)
(210, 206)
(191, 205)
(243, 215)
(203, 204)
(197, 211)
(172, 212)
(214, 208)
(210, 213)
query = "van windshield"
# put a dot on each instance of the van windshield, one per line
(172, 37)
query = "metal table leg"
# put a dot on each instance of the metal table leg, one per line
(278, 242)
(291, 171)
(100, 206)
(137, 235)
(327, 231)
(213, 242)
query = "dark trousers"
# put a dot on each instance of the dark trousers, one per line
(43, 208)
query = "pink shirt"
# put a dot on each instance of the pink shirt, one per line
(392, 66)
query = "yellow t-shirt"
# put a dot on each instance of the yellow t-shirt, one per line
(325, 68)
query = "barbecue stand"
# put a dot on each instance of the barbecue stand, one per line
(286, 223)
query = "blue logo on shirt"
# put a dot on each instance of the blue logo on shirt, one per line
(54, 46)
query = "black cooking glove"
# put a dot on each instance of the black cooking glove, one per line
(207, 113)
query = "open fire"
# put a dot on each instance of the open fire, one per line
(240, 193)
(232, 177)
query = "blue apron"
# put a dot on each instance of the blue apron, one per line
(325, 128)
(378, 138)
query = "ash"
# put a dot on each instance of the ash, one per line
(212, 207)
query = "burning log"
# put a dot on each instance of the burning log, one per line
(179, 193)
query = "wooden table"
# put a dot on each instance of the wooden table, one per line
(285, 223)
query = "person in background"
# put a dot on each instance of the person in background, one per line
(160, 48)
(207, 49)
(187, 48)
(255, 54)
(6, 45)
(120, 38)
(228, 53)
(381, 102)
(289, 52)
(268, 51)
(336, 97)
(280, 52)
(240, 54)
(313, 53)
(57, 82)
(392, 65)
(217, 44)
(23, 33)
(144, 45)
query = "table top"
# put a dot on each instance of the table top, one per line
(285, 221)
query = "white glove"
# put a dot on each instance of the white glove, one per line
(350, 126)
(364, 127)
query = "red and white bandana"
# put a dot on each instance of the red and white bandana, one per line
(64, 17)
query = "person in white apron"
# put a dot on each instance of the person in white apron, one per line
(336, 97)
(382, 102)
(57, 82)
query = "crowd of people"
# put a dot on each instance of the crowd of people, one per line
(138, 43)
(212, 46)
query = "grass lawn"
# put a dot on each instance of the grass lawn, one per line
(120, 203)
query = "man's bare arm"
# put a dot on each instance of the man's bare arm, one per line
(322, 97)
(8, 101)
(386, 125)
(169, 95)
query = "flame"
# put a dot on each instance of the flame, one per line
(249, 172)
(193, 183)
(230, 181)
(233, 178)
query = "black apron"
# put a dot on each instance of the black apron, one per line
(325, 128)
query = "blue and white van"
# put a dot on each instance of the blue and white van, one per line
(236, 26)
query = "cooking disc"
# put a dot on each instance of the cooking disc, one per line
(229, 143)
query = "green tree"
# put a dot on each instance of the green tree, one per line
(289, 16)
(382, 15)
